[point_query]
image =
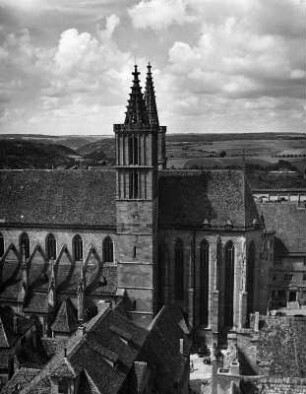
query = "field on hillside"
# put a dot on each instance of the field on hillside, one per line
(271, 160)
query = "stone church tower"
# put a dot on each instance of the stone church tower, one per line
(137, 199)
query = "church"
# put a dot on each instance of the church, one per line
(140, 232)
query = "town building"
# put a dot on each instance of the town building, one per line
(138, 232)
(110, 354)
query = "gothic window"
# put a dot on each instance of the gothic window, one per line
(51, 247)
(24, 244)
(204, 282)
(77, 247)
(133, 185)
(108, 250)
(161, 273)
(179, 269)
(133, 150)
(1, 245)
(250, 270)
(229, 285)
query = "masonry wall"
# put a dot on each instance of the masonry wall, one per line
(270, 385)
(288, 220)
(63, 237)
(217, 281)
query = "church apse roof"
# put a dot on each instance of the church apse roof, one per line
(58, 197)
(213, 198)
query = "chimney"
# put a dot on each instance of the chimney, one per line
(81, 329)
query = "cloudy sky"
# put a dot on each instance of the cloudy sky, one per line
(219, 65)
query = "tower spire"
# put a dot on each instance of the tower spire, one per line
(136, 113)
(149, 97)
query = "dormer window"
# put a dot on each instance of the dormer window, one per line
(229, 224)
(206, 223)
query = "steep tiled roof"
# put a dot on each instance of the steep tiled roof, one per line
(281, 217)
(104, 362)
(162, 348)
(62, 197)
(19, 379)
(37, 302)
(281, 342)
(12, 326)
(65, 320)
(189, 197)
(86, 358)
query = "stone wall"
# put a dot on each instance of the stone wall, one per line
(271, 385)
(63, 237)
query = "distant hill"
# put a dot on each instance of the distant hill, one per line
(99, 153)
(70, 141)
(31, 154)
(207, 137)
(265, 169)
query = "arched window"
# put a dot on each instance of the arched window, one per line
(250, 272)
(24, 244)
(51, 247)
(229, 285)
(161, 273)
(179, 270)
(133, 150)
(77, 247)
(204, 282)
(108, 250)
(1, 245)
(133, 184)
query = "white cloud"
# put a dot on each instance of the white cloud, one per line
(159, 14)
(112, 22)
(75, 49)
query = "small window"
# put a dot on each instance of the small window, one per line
(51, 247)
(134, 252)
(133, 185)
(133, 150)
(24, 244)
(288, 276)
(108, 250)
(1, 245)
(77, 247)
(179, 269)
(304, 276)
